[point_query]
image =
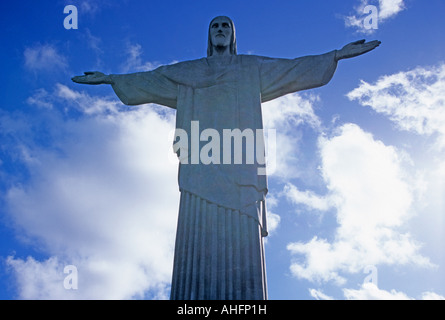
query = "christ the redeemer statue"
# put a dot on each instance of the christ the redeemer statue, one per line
(219, 251)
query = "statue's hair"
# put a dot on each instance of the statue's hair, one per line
(232, 42)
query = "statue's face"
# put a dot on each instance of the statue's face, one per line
(221, 32)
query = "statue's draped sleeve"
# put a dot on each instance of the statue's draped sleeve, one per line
(282, 76)
(145, 87)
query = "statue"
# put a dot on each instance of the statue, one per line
(219, 251)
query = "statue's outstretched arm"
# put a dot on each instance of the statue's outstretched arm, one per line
(356, 48)
(93, 77)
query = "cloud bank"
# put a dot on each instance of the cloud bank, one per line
(414, 100)
(368, 190)
(102, 197)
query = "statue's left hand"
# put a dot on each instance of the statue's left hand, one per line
(93, 77)
(356, 48)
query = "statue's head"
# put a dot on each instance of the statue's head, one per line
(221, 34)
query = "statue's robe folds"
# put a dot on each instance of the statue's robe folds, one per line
(219, 251)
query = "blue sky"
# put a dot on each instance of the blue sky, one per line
(356, 203)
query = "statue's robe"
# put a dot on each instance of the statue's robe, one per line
(219, 251)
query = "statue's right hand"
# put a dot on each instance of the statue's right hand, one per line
(92, 77)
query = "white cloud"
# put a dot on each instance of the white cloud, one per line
(273, 219)
(291, 111)
(432, 296)
(414, 100)
(90, 7)
(390, 8)
(287, 115)
(369, 291)
(44, 58)
(385, 9)
(368, 188)
(308, 198)
(39, 280)
(103, 197)
(319, 295)
(40, 98)
(74, 100)
(134, 61)
(85, 103)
